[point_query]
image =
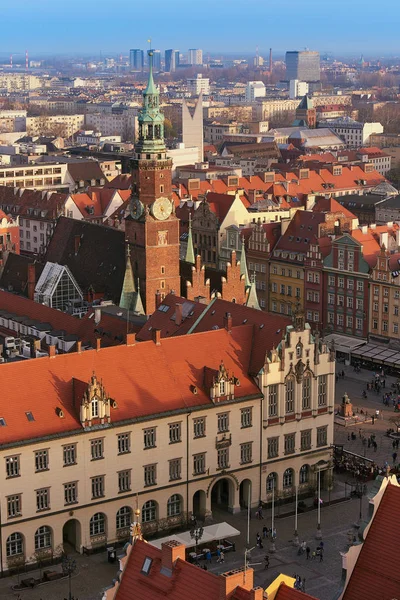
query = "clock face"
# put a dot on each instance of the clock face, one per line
(136, 208)
(162, 208)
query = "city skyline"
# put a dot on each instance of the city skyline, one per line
(63, 27)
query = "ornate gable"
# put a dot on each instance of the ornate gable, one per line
(223, 385)
(95, 404)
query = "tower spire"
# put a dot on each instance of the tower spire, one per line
(128, 292)
(243, 265)
(252, 298)
(189, 257)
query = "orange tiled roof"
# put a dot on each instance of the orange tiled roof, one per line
(162, 380)
(287, 593)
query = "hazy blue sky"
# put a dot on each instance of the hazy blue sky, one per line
(73, 26)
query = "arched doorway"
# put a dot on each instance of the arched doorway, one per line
(72, 536)
(199, 504)
(245, 493)
(222, 495)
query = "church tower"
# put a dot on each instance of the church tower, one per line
(152, 229)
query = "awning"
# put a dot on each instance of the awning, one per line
(219, 531)
(344, 343)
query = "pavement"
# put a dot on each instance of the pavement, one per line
(94, 573)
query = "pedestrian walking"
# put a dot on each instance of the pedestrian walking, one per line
(222, 558)
(308, 550)
(397, 444)
(208, 556)
(313, 555)
(218, 555)
(394, 456)
(266, 562)
(258, 541)
(265, 531)
(321, 555)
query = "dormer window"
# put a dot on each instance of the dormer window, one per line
(222, 388)
(95, 407)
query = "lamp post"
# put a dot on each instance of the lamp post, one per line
(68, 567)
(296, 535)
(319, 532)
(272, 548)
(196, 533)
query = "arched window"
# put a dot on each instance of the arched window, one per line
(304, 473)
(222, 387)
(174, 506)
(124, 517)
(272, 481)
(306, 399)
(288, 478)
(43, 538)
(289, 401)
(15, 544)
(95, 407)
(149, 511)
(299, 350)
(98, 524)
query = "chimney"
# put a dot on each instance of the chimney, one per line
(52, 351)
(178, 314)
(170, 552)
(228, 322)
(77, 243)
(97, 315)
(34, 345)
(130, 339)
(79, 346)
(157, 337)
(158, 298)
(31, 281)
(232, 579)
(398, 237)
(257, 593)
(98, 344)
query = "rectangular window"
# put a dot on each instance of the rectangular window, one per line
(273, 400)
(349, 321)
(43, 499)
(359, 304)
(199, 463)
(306, 396)
(322, 388)
(322, 436)
(273, 447)
(124, 480)
(359, 324)
(98, 486)
(96, 449)
(340, 300)
(69, 455)
(290, 439)
(246, 417)
(150, 475)
(174, 433)
(12, 466)
(41, 460)
(395, 328)
(14, 506)
(199, 427)
(360, 286)
(246, 452)
(350, 303)
(350, 284)
(175, 469)
(223, 458)
(331, 280)
(149, 437)
(341, 282)
(124, 443)
(71, 493)
(331, 298)
(305, 439)
(289, 401)
(223, 422)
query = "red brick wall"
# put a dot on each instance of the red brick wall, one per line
(233, 287)
(148, 176)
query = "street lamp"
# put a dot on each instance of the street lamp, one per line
(68, 567)
(296, 541)
(196, 533)
(319, 532)
(272, 548)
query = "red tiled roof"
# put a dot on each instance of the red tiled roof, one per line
(120, 182)
(301, 232)
(162, 380)
(187, 581)
(221, 203)
(165, 320)
(50, 202)
(331, 205)
(287, 593)
(376, 573)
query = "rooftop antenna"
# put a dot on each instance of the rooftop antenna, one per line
(248, 564)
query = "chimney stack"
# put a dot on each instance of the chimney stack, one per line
(232, 579)
(178, 314)
(31, 281)
(98, 344)
(130, 339)
(158, 298)
(97, 315)
(228, 322)
(79, 346)
(52, 351)
(170, 552)
(157, 337)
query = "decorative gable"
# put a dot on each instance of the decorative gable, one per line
(222, 384)
(95, 404)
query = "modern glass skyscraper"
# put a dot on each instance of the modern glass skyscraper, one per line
(304, 66)
(195, 56)
(171, 60)
(156, 60)
(136, 59)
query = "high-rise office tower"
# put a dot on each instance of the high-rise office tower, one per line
(303, 66)
(156, 60)
(192, 127)
(136, 59)
(171, 60)
(195, 56)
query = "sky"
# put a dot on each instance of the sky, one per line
(217, 26)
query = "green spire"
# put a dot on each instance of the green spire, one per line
(138, 304)
(243, 266)
(252, 298)
(189, 257)
(150, 119)
(151, 86)
(128, 292)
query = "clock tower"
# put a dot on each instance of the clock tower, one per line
(152, 229)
